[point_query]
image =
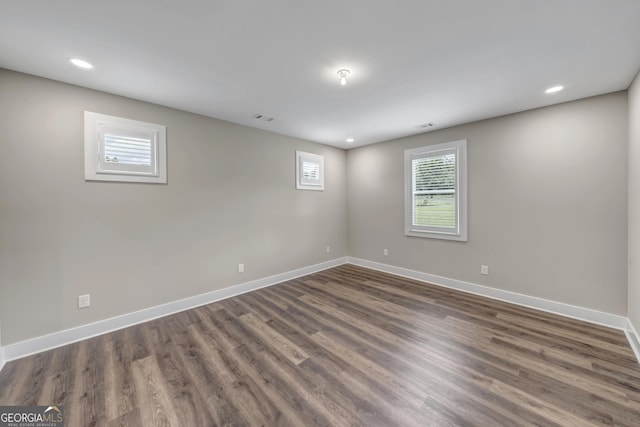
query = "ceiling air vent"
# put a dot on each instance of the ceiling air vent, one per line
(425, 125)
(262, 117)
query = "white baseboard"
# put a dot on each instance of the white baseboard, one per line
(634, 339)
(69, 336)
(567, 310)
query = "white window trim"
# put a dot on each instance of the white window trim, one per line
(302, 157)
(460, 232)
(93, 122)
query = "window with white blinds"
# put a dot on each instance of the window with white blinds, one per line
(435, 199)
(118, 149)
(128, 150)
(309, 171)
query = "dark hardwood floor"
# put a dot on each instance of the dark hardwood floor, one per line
(344, 347)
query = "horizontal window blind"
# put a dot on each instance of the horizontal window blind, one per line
(434, 191)
(127, 150)
(311, 171)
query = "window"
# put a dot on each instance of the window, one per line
(435, 191)
(309, 171)
(117, 149)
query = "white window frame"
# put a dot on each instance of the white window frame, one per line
(305, 184)
(96, 169)
(459, 232)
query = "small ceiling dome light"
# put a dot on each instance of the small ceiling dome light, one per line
(350, 139)
(80, 63)
(554, 89)
(343, 74)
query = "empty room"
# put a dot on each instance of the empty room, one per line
(356, 213)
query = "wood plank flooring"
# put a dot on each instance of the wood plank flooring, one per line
(343, 347)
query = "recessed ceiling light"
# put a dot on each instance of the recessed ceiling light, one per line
(350, 139)
(80, 63)
(554, 89)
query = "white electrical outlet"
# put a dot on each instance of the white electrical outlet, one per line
(84, 301)
(484, 270)
(240, 268)
(385, 252)
(328, 249)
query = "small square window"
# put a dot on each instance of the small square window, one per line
(309, 171)
(119, 149)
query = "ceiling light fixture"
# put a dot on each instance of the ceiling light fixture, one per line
(554, 89)
(80, 63)
(343, 74)
(350, 139)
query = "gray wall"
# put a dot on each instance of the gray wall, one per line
(547, 200)
(634, 203)
(230, 199)
(547, 208)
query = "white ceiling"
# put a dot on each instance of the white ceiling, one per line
(411, 61)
